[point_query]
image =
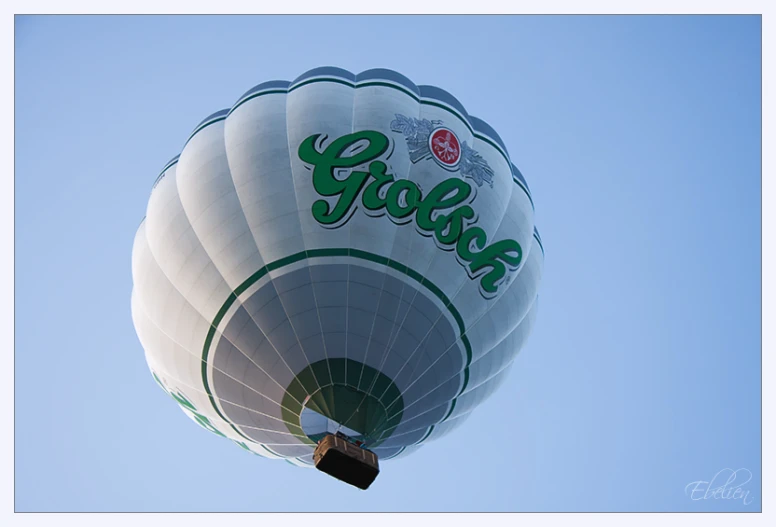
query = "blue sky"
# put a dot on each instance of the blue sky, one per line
(640, 140)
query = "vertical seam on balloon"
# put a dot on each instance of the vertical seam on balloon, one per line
(349, 228)
(256, 245)
(258, 250)
(385, 352)
(399, 327)
(392, 337)
(258, 326)
(304, 246)
(201, 244)
(431, 261)
(309, 272)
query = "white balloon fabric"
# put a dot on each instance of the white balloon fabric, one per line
(341, 252)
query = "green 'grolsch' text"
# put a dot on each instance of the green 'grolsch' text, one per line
(452, 225)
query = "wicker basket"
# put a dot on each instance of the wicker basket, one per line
(339, 458)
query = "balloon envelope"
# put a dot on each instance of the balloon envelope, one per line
(342, 252)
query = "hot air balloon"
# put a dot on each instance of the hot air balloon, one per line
(336, 270)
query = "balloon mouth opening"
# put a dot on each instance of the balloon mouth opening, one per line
(316, 426)
(342, 395)
(346, 410)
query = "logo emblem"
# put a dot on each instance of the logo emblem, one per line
(445, 147)
(430, 140)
